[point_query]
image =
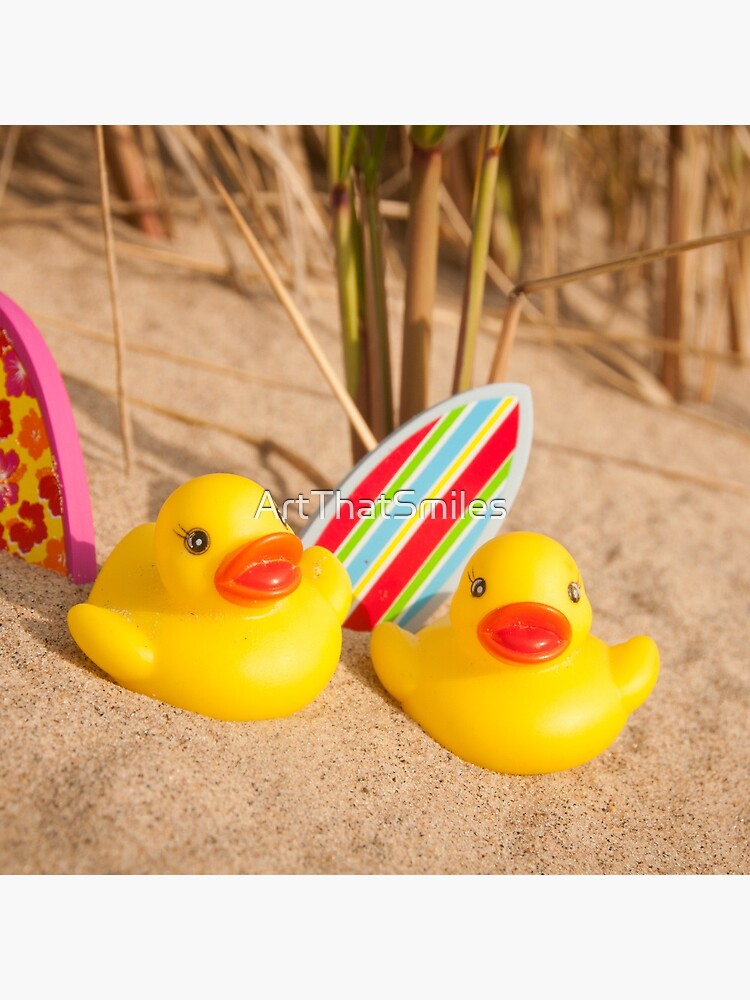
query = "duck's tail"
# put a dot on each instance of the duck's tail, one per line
(635, 667)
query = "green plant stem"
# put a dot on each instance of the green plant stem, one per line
(333, 154)
(481, 225)
(422, 241)
(346, 238)
(376, 315)
(344, 235)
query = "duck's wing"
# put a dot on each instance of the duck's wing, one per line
(635, 667)
(116, 645)
(329, 577)
(395, 656)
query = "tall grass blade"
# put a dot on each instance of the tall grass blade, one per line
(376, 304)
(422, 243)
(475, 276)
(348, 252)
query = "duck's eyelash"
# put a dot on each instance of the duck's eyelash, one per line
(182, 533)
(472, 578)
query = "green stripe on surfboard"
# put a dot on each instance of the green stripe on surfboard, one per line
(427, 445)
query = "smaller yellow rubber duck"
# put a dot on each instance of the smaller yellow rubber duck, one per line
(216, 608)
(511, 680)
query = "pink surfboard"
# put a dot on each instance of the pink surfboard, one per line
(406, 519)
(45, 509)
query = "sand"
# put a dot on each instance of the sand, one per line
(96, 779)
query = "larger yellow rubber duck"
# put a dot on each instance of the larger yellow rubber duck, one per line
(511, 679)
(216, 608)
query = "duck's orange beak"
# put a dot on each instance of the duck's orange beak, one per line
(525, 632)
(262, 570)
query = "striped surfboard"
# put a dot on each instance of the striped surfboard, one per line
(402, 522)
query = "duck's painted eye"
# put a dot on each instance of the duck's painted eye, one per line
(197, 541)
(478, 586)
(574, 592)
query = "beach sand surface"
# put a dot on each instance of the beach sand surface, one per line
(97, 779)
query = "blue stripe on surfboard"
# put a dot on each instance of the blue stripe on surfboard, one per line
(376, 539)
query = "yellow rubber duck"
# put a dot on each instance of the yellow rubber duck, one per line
(510, 679)
(216, 608)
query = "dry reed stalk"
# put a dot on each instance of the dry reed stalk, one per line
(498, 369)
(739, 301)
(317, 133)
(481, 226)
(395, 182)
(114, 298)
(65, 209)
(617, 368)
(390, 209)
(292, 142)
(504, 348)
(538, 331)
(255, 137)
(739, 296)
(158, 176)
(674, 300)
(131, 176)
(699, 279)
(45, 186)
(633, 207)
(526, 181)
(9, 155)
(714, 316)
(628, 194)
(654, 163)
(494, 272)
(174, 259)
(422, 242)
(616, 187)
(195, 147)
(238, 159)
(298, 321)
(549, 179)
(175, 138)
(230, 159)
(713, 307)
(638, 258)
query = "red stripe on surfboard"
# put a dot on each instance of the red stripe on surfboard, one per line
(399, 573)
(370, 488)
